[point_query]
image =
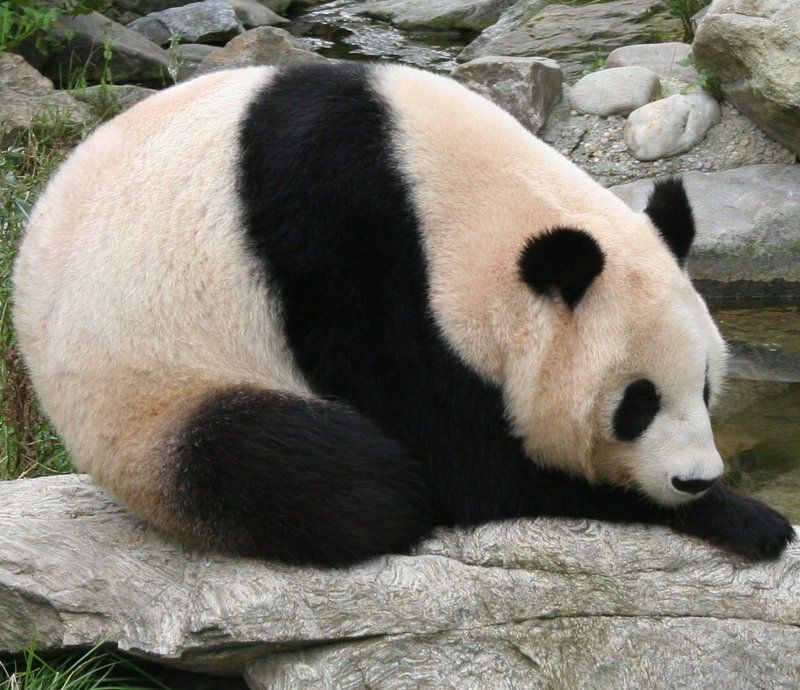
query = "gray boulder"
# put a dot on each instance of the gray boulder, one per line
(577, 36)
(748, 229)
(25, 95)
(134, 58)
(252, 13)
(615, 91)
(526, 87)
(753, 46)
(670, 126)
(662, 58)
(549, 599)
(266, 45)
(190, 56)
(210, 21)
(436, 14)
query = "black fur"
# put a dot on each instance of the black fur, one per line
(671, 213)
(639, 405)
(565, 260)
(301, 481)
(332, 221)
(737, 523)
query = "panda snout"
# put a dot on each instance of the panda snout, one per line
(693, 486)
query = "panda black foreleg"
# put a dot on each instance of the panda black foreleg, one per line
(722, 516)
(735, 522)
(302, 481)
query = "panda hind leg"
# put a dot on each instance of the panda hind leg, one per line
(296, 480)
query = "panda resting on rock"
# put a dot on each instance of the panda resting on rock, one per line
(309, 314)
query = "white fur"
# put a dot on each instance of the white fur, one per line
(484, 185)
(135, 297)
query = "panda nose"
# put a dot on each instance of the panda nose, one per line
(692, 486)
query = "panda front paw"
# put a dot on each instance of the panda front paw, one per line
(737, 523)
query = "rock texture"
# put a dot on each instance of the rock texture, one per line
(575, 35)
(662, 58)
(211, 21)
(596, 144)
(548, 598)
(754, 47)
(265, 45)
(615, 91)
(436, 14)
(135, 59)
(190, 57)
(671, 125)
(748, 229)
(528, 88)
(252, 14)
(25, 94)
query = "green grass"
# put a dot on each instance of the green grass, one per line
(685, 10)
(96, 669)
(28, 445)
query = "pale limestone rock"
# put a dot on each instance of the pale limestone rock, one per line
(615, 91)
(753, 46)
(526, 87)
(670, 126)
(748, 229)
(77, 569)
(662, 58)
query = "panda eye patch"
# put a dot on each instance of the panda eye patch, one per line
(640, 404)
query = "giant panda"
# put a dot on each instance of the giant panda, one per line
(307, 315)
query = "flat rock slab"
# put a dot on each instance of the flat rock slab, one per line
(563, 652)
(748, 229)
(77, 569)
(577, 36)
(436, 14)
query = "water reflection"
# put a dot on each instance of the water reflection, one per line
(758, 424)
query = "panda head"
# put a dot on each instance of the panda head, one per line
(630, 362)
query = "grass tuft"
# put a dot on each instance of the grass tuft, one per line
(28, 445)
(96, 669)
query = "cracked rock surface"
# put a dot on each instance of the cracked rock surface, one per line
(542, 600)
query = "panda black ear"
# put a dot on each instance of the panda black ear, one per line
(671, 213)
(563, 259)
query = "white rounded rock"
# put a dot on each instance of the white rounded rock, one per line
(616, 91)
(670, 126)
(665, 59)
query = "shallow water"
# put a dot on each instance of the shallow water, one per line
(758, 424)
(336, 32)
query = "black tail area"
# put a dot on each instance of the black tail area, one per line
(301, 481)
